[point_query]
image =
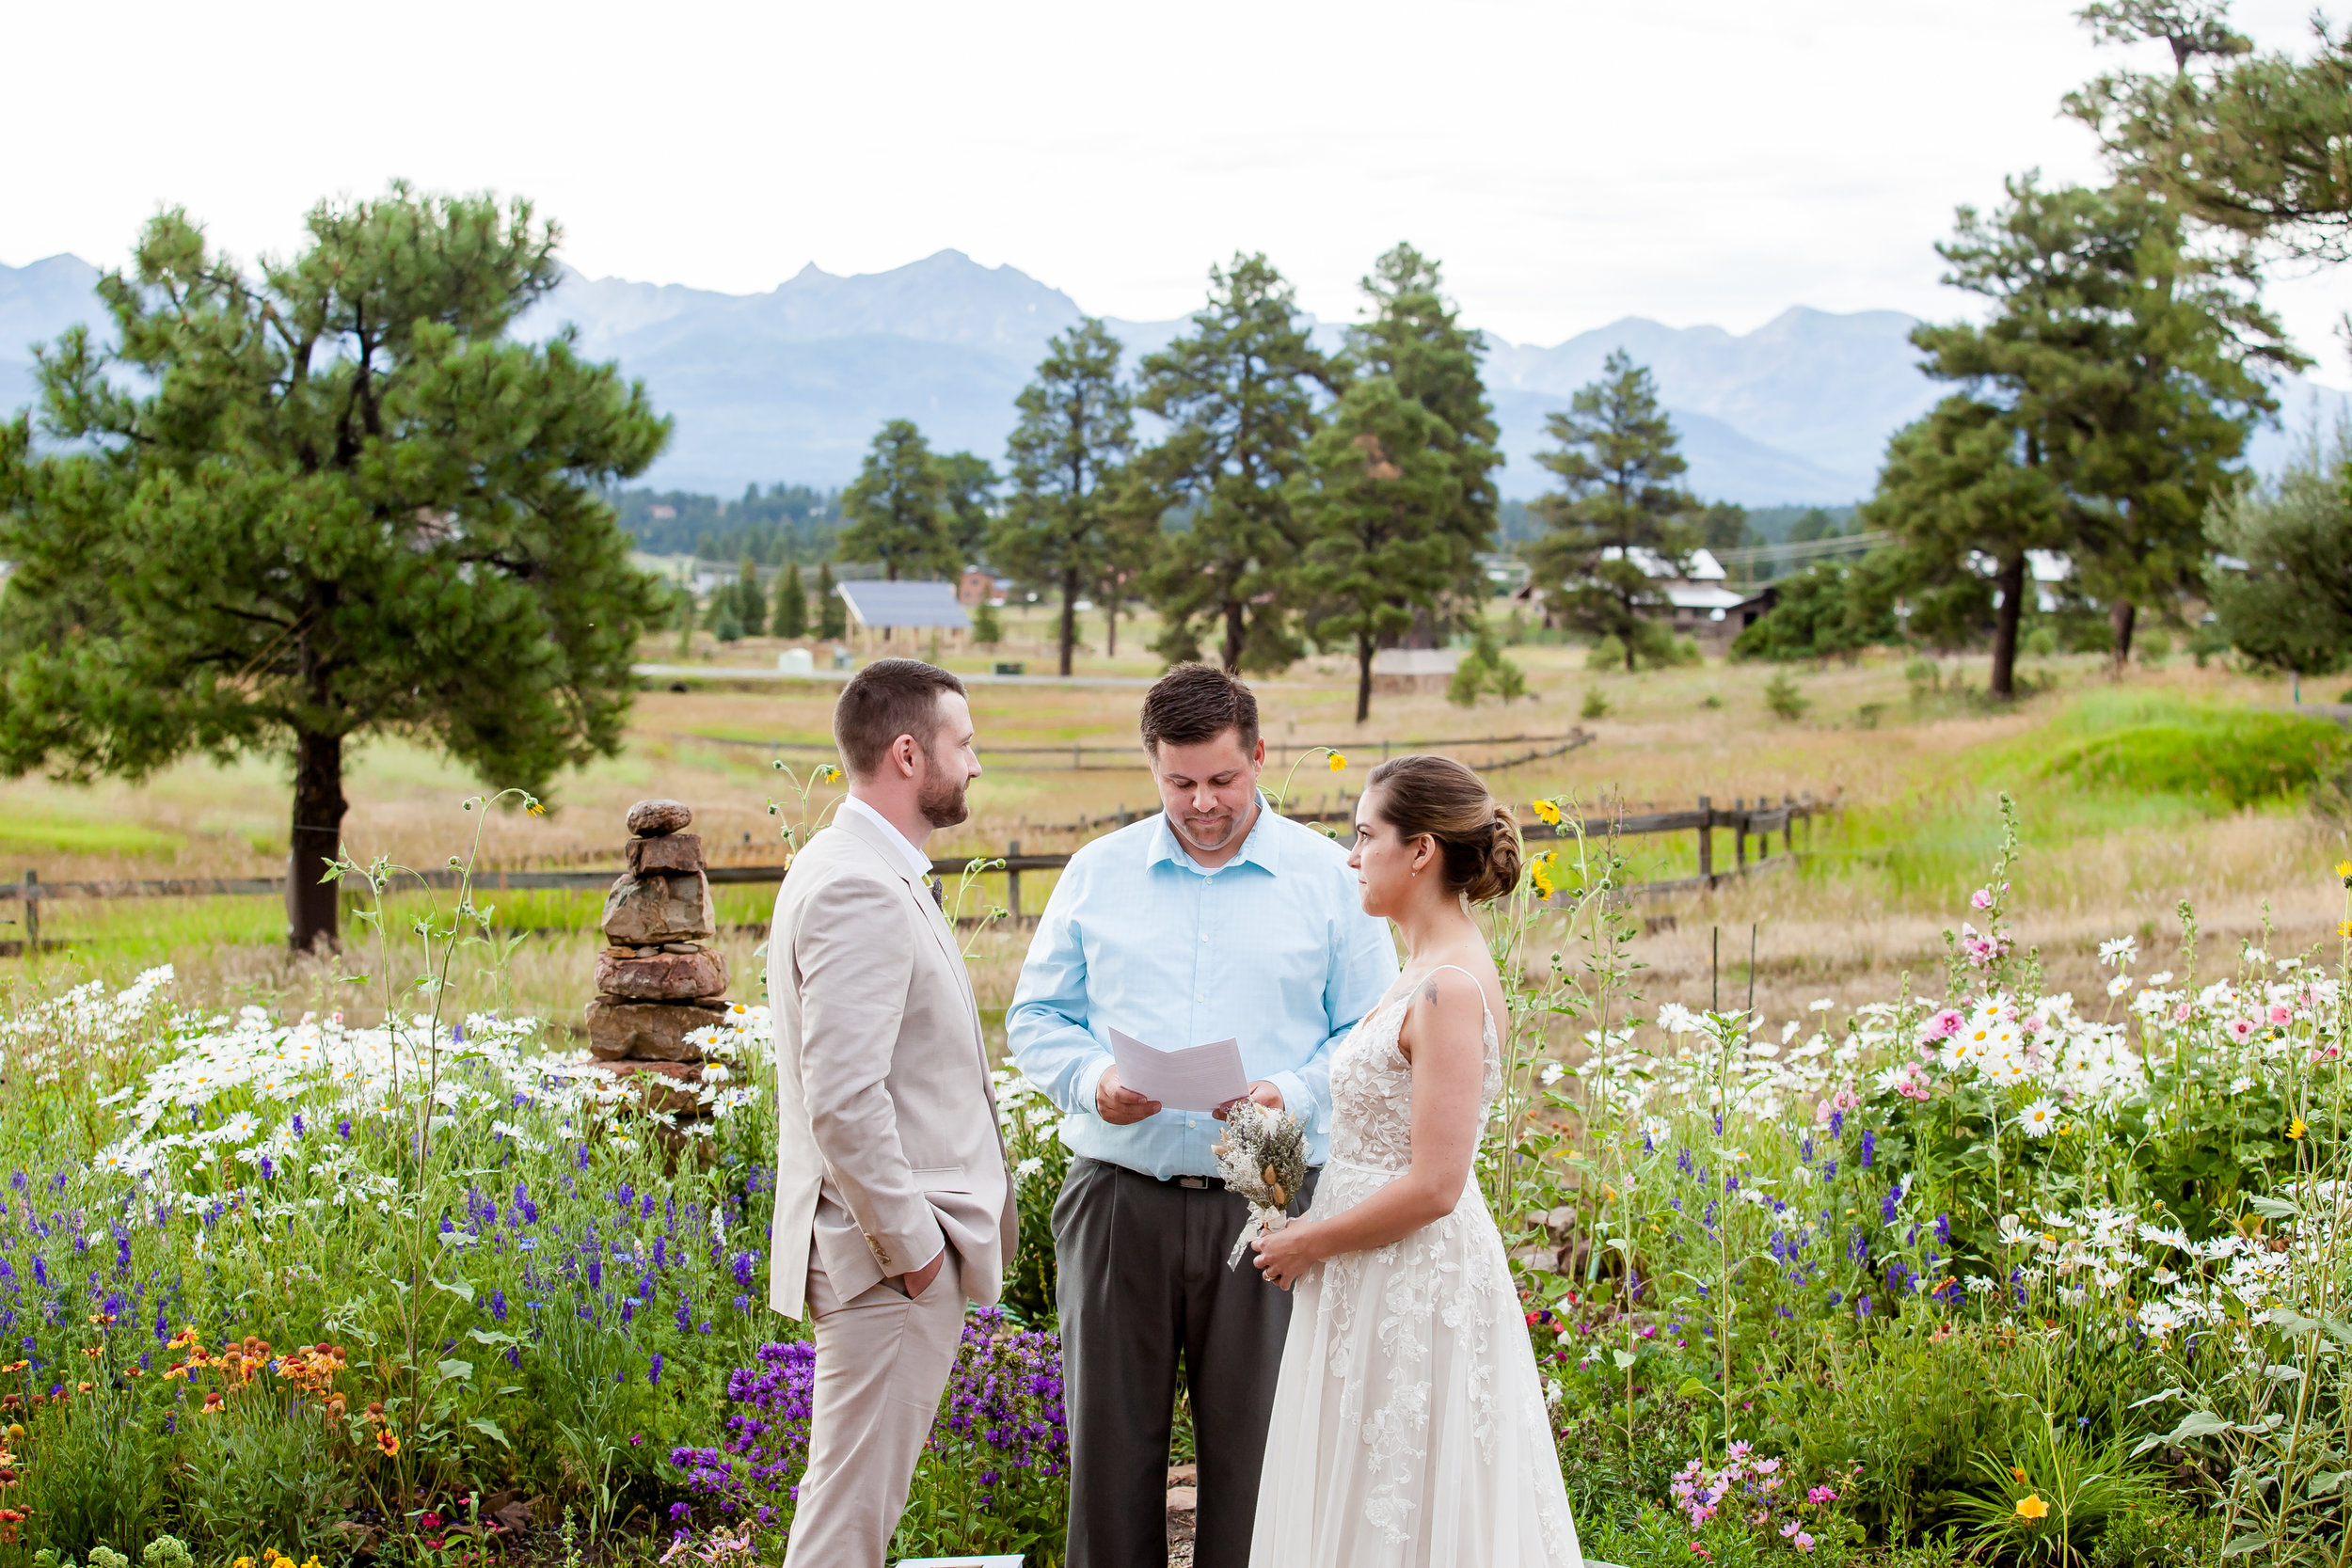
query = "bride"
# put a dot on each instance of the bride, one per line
(1408, 1424)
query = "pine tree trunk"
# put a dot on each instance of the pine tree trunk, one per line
(1363, 677)
(1110, 620)
(312, 906)
(1069, 614)
(1236, 635)
(2122, 616)
(2011, 582)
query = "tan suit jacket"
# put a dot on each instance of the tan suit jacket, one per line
(887, 1142)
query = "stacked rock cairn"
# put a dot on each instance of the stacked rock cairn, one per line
(656, 982)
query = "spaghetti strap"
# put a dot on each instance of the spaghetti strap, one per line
(1474, 981)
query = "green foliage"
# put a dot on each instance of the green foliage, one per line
(2110, 395)
(1415, 337)
(790, 618)
(1619, 521)
(1596, 703)
(897, 511)
(1816, 618)
(94, 1471)
(2161, 1533)
(2250, 142)
(1237, 392)
(264, 1474)
(2290, 607)
(987, 629)
(1608, 652)
(1657, 647)
(1902, 1411)
(1074, 434)
(1368, 499)
(1782, 699)
(333, 500)
(2041, 642)
(833, 616)
(2225, 759)
(1485, 669)
(2048, 1499)
(782, 524)
(1040, 1161)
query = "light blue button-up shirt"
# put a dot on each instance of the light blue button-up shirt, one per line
(1271, 948)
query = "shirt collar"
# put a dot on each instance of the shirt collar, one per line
(1259, 847)
(919, 863)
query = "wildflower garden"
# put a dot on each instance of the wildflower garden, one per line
(1975, 1272)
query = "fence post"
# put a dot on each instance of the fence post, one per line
(1012, 882)
(1787, 825)
(1739, 834)
(1706, 841)
(32, 914)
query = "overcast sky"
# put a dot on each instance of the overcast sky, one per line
(1571, 161)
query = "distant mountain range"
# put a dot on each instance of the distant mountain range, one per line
(790, 385)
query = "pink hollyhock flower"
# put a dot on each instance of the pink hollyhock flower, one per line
(2280, 1012)
(2240, 1029)
(1944, 1026)
(1981, 899)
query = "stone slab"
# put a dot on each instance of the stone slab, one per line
(652, 818)
(676, 852)
(649, 1031)
(663, 977)
(646, 911)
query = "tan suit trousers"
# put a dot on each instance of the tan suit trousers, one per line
(882, 1362)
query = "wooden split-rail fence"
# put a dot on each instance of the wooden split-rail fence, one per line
(1080, 757)
(1751, 826)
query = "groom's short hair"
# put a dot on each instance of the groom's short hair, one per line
(1194, 703)
(889, 698)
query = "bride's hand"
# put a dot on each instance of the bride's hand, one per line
(1283, 1256)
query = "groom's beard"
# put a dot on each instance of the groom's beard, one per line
(941, 798)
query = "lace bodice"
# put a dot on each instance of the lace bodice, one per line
(1372, 1083)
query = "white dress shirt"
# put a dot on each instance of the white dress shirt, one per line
(917, 862)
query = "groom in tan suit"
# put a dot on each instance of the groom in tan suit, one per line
(894, 1206)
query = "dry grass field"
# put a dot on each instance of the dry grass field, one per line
(1914, 775)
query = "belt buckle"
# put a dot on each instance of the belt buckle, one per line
(1195, 1183)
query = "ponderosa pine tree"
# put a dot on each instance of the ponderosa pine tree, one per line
(896, 511)
(2127, 371)
(1238, 394)
(1381, 484)
(1075, 431)
(325, 499)
(790, 617)
(967, 485)
(1414, 337)
(1619, 519)
(2251, 142)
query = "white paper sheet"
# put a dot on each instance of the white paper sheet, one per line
(1195, 1078)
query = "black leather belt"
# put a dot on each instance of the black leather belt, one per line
(1199, 1183)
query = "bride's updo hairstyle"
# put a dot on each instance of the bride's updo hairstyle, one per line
(1477, 837)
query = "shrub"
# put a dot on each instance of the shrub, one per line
(987, 628)
(1607, 654)
(2041, 642)
(1485, 670)
(1815, 617)
(1782, 696)
(1596, 705)
(2155, 647)
(262, 1475)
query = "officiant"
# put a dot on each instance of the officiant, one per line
(1217, 918)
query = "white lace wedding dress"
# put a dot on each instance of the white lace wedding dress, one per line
(1408, 1425)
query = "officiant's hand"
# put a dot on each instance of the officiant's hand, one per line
(1263, 1092)
(1121, 1107)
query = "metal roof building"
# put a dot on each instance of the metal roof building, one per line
(909, 606)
